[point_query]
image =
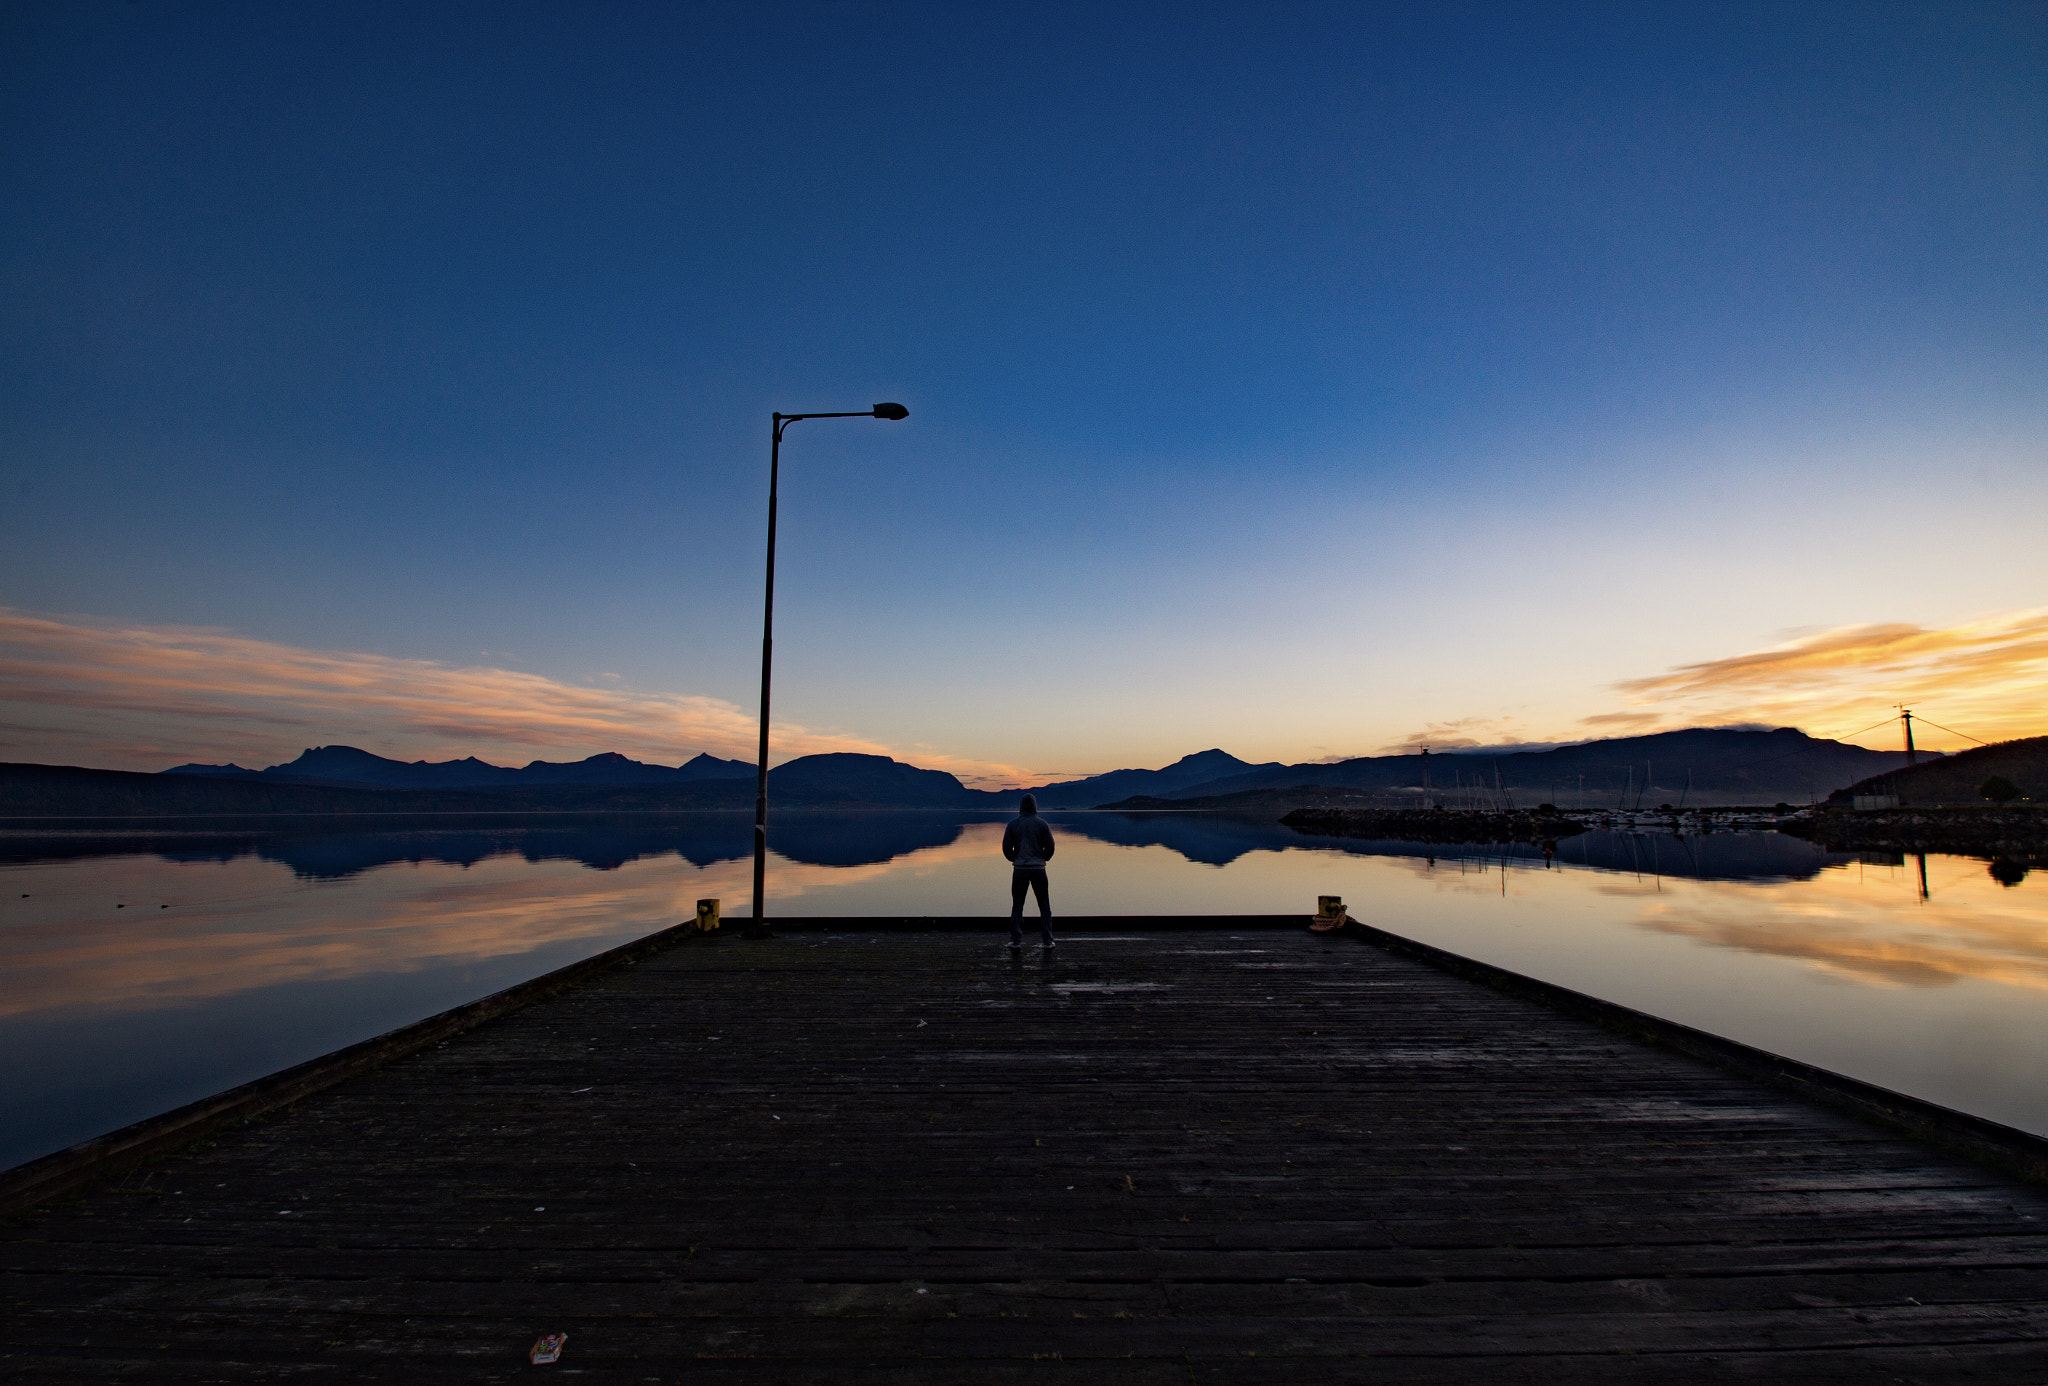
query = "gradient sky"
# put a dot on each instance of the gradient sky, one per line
(1301, 379)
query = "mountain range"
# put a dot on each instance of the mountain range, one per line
(1702, 767)
(395, 787)
(345, 765)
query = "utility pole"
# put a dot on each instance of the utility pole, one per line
(1906, 716)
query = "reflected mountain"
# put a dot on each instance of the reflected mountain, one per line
(1745, 856)
(857, 839)
(336, 850)
(1219, 839)
(1213, 839)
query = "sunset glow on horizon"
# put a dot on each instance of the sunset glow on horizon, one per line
(1305, 381)
(142, 699)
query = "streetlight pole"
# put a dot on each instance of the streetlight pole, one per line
(759, 927)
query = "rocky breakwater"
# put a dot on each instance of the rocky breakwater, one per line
(2018, 832)
(1434, 825)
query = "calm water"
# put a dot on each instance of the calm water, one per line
(139, 972)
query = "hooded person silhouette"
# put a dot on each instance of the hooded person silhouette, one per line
(1027, 844)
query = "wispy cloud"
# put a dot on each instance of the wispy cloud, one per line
(1987, 678)
(1503, 734)
(144, 697)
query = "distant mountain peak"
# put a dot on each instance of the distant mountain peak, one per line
(1198, 768)
(1213, 756)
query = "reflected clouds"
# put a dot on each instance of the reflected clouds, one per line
(249, 923)
(255, 927)
(256, 910)
(1838, 925)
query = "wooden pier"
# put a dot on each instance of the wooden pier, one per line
(1151, 1156)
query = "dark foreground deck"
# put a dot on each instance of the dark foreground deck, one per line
(1161, 1157)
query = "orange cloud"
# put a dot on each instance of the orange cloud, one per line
(1987, 678)
(143, 697)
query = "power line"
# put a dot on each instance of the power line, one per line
(1953, 732)
(1802, 750)
(1873, 727)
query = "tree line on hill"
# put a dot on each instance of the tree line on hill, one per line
(2000, 773)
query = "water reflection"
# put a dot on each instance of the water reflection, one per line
(337, 850)
(140, 970)
(1877, 938)
(2009, 871)
(1218, 840)
(333, 850)
(1209, 839)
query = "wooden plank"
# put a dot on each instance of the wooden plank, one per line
(2019, 1152)
(89, 1161)
(1383, 1172)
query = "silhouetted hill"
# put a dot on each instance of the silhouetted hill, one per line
(841, 781)
(77, 792)
(346, 765)
(710, 767)
(613, 768)
(1199, 768)
(848, 779)
(1957, 779)
(1248, 801)
(1725, 767)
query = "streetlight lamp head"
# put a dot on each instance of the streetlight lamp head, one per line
(891, 411)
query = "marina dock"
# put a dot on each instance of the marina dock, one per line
(1217, 1154)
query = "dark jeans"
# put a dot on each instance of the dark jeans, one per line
(1033, 878)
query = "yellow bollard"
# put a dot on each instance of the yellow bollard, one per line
(707, 916)
(1330, 914)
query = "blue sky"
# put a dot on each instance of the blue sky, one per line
(1303, 380)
